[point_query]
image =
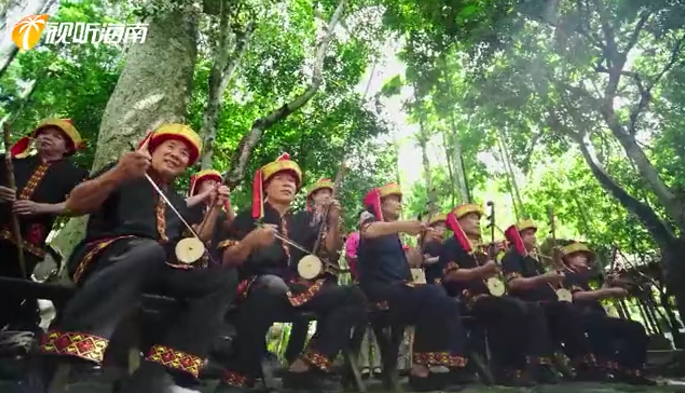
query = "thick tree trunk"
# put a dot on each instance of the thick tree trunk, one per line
(10, 14)
(154, 88)
(672, 249)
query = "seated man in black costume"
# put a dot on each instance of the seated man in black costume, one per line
(265, 244)
(528, 280)
(43, 181)
(385, 277)
(471, 273)
(620, 345)
(128, 249)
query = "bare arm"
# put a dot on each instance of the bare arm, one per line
(235, 254)
(53, 208)
(88, 196)
(196, 199)
(462, 274)
(382, 228)
(333, 238)
(524, 283)
(598, 294)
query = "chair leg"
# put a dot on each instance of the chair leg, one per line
(351, 374)
(389, 345)
(482, 368)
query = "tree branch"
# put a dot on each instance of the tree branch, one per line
(656, 227)
(241, 156)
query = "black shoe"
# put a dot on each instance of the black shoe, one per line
(365, 373)
(377, 372)
(312, 380)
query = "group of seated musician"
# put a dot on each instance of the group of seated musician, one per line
(143, 237)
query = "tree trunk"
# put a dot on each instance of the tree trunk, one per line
(512, 175)
(227, 58)
(154, 88)
(672, 249)
(10, 14)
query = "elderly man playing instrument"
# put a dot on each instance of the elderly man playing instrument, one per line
(265, 244)
(43, 181)
(620, 345)
(386, 278)
(133, 244)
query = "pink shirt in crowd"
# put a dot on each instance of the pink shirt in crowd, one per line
(351, 252)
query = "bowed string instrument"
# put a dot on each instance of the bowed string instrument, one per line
(312, 266)
(563, 294)
(11, 183)
(188, 250)
(495, 283)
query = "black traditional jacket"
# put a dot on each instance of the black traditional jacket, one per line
(40, 182)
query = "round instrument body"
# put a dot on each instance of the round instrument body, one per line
(310, 267)
(189, 250)
(418, 276)
(564, 295)
(496, 287)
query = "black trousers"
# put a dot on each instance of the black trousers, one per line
(115, 282)
(439, 336)
(566, 326)
(617, 343)
(15, 310)
(337, 310)
(517, 331)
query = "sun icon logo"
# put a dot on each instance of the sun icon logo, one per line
(27, 31)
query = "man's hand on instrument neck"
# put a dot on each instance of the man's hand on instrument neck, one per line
(25, 207)
(489, 269)
(220, 197)
(7, 194)
(261, 237)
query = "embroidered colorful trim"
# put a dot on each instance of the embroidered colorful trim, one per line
(307, 295)
(177, 360)
(244, 288)
(97, 247)
(227, 244)
(439, 359)
(83, 345)
(317, 360)
(5, 234)
(33, 182)
(234, 379)
(161, 220)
